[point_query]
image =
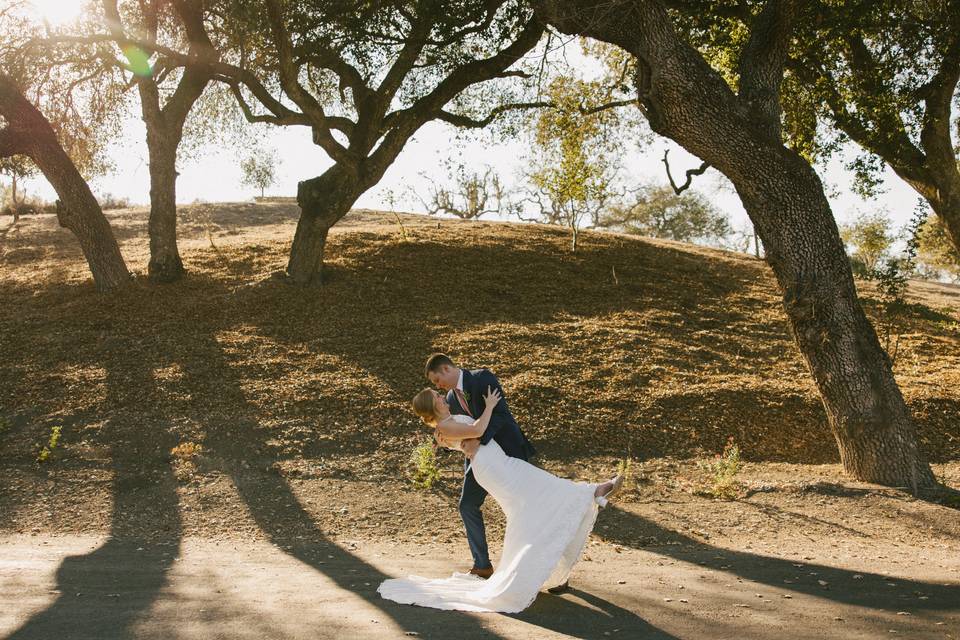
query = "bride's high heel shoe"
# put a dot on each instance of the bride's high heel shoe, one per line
(604, 499)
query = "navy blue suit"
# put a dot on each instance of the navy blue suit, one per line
(502, 428)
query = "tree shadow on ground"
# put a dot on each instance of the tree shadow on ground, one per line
(870, 590)
(600, 618)
(278, 512)
(103, 594)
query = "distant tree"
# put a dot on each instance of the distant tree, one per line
(870, 236)
(18, 168)
(259, 170)
(468, 194)
(936, 251)
(658, 212)
(576, 146)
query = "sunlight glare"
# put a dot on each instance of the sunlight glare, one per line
(56, 12)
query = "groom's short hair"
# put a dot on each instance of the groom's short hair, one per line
(435, 361)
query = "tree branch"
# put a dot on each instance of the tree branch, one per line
(690, 173)
(938, 95)
(222, 71)
(322, 135)
(763, 60)
(403, 123)
(468, 122)
(609, 105)
(407, 57)
(348, 74)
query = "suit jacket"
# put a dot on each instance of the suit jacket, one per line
(502, 426)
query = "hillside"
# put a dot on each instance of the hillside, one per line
(659, 347)
(631, 346)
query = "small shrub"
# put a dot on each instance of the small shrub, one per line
(423, 461)
(186, 450)
(891, 281)
(624, 469)
(722, 471)
(51, 445)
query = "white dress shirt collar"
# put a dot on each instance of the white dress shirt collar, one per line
(460, 382)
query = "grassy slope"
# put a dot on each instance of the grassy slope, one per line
(633, 345)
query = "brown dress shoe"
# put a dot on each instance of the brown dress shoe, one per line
(483, 573)
(560, 588)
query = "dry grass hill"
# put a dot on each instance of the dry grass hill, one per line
(631, 346)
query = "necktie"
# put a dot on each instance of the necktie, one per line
(463, 401)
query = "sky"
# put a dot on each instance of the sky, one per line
(215, 176)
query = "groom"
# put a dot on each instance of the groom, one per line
(465, 391)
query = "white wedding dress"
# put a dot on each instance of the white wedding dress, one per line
(548, 522)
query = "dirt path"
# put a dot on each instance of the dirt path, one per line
(85, 587)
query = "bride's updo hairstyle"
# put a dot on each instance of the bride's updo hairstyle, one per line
(423, 406)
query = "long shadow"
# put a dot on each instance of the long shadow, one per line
(280, 515)
(870, 590)
(278, 511)
(102, 594)
(600, 619)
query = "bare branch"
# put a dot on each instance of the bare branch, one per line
(468, 122)
(609, 105)
(690, 174)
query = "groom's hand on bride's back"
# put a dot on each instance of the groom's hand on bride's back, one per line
(470, 446)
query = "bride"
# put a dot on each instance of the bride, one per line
(548, 520)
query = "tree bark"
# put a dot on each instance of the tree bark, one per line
(323, 201)
(165, 264)
(684, 99)
(29, 133)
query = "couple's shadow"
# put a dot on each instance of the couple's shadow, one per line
(592, 617)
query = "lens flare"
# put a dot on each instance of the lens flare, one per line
(137, 61)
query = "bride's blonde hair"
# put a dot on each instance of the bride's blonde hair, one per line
(423, 406)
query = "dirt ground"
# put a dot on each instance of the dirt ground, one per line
(95, 588)
(233, 451)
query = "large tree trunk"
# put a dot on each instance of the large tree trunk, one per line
(687, 101)
(323, 201)
(30, 134)
(866, 411)
(165, 264)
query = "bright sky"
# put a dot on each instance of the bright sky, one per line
(216, 177)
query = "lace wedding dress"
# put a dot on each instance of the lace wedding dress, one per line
(548, 521)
